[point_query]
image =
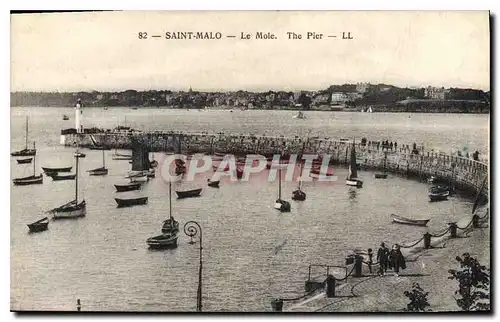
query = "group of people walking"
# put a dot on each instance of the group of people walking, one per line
(387, 259)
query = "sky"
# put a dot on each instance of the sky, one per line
(102, 51)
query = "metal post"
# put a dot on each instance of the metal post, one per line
(358, 263)
(427, 240)
(453, 229)
(330, 286)
(191, 229)
(277, 305)
(78, 305)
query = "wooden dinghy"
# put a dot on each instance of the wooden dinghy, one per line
(127, 187)
(39, 225)
(188, 193)
(131, 202)
(407, 221)
(24, 161)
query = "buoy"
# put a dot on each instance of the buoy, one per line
(78, 305)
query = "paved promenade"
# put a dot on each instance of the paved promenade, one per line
(428, 267)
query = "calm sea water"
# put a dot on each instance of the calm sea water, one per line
(252, 253)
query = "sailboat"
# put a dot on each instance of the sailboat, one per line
(299, 115)
(352, 177)
(170, 230)
(140, 167)
(102, 171)
(72, 209)
(370, 110)
(25, 152)
(170, 225)
(382, 175)
(33, 179)
(298, 194)
(281, 205)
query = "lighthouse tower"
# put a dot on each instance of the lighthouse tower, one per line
(78, 117)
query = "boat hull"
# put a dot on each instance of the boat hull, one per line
(213, 184)
(70, 212)
(131, 202)
(144, 178)
(380, 176)
(188, 194)
(56, 170)
(24, 153)
(354, 182)
(28, 180)
(57, 177)
(117, 157)
(24, 161)
(298, 195)
(164, 241)
(128, 187)
(282, 205)
(407, 221)
(98, 172)
(439, 196)
(38, 227)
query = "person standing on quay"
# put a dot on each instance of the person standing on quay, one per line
(398, 261)
(382, 256)
(370, 259)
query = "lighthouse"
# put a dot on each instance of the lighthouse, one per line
(78, 117)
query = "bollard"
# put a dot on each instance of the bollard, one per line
(427, 240)
(277, 305)
(475, 221)
(330, 286)
(78, 305)
(358, 265)
(453, 229)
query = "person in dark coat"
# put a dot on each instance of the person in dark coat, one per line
(397, 259)
(382, 257)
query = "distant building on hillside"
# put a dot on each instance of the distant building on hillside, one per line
(339, 98)
(438, 93)
(362, 87)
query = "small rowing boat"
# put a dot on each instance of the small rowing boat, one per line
(407, 221)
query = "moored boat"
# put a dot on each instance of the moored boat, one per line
(72, 209)
(213, 184)
(380, 175)
(102, 171)
(131, 202)
(56, 170)
(280, 204)
(352, 177)
(33, 179)
(28, 180)
(407, 221)
(65, 117)
(299, 115)
(61, 177)
(188, 193)
(439, 196)
(168, 240)
(127, 187)
(39, 225)
(24, 161)
(80, 155)
(25, 152)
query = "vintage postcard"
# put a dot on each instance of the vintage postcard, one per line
(238, 161)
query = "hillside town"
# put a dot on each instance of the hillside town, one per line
(348, 97)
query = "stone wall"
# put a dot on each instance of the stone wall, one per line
(466, 174)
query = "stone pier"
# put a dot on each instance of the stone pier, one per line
(466, 174)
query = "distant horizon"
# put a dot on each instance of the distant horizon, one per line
(255, 90)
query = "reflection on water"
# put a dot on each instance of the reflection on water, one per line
(252, 252)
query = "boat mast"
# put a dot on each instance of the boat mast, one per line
(279, 184)
(302, 164)
(34, 160)
(76, 181)
(385, 160)
(170, 198)
(26, 144)
(103, 161)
